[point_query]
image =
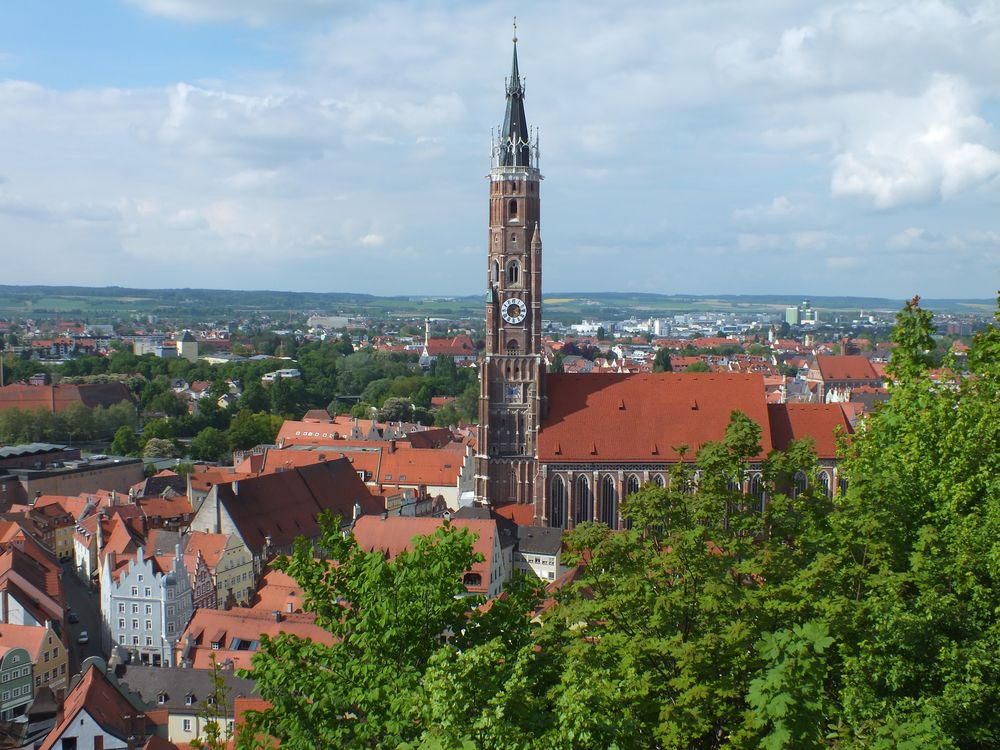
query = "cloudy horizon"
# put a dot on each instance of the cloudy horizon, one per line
(839, 148)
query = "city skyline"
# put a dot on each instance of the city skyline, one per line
(849, 149)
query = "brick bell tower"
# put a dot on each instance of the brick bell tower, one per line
(512, 374)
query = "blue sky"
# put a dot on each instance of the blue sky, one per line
(708, 146)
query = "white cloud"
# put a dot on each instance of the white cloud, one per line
(372, 239)
(917, 150)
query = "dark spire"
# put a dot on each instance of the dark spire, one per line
(515, 150)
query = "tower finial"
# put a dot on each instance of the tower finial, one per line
(515, 29)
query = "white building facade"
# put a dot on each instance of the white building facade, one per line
(146, 608)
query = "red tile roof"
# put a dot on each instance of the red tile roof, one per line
(102, 700)
(644, 417)
(395, 534)
(845, 367)
(817, 421)
(23, 396)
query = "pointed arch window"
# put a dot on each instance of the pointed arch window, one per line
(609, 502)
(757, 491)
(659, 481)
(824, 483)
(513, 347)
(632, 484)
(513, 273)
(512, 209)
(496, 272)
(557, 503)
(584, 506)
(800, 483)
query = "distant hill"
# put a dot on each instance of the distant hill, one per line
(99, 303)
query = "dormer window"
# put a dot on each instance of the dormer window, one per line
(189, 699)
(161, 698)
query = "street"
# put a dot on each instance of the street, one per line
(87, 607)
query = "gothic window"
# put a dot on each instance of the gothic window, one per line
(632, 484)
(609, 502)
(513, 347)
(557, 503)
(824, 483)
(513, 273)
(734, 484)
(584, 505)
(496, 271)
(799, 483)
(842, 485)
(658, 480)
(757, 490)
(512, 209)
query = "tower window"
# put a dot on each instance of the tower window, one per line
(513, 239)
(513, 347)
(496, 271)
(513, 272)
(512, 209)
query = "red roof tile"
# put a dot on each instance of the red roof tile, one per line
(643, 417)
(845, 367)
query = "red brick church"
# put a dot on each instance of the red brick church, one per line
(575, 445)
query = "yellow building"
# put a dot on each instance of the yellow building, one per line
(48, 654)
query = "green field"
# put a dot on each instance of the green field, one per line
(114, 303)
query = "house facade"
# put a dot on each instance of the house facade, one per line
(145, 604)
(16, 681)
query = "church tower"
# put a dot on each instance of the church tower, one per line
(512, 374)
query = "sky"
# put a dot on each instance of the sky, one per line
(689, 147)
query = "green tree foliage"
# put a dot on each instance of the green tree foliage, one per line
(410, 662)
(700, 366)
(211, 444)
(160, 448)
(661, 362)
(396, 410)
(248, 430)
(125, 443)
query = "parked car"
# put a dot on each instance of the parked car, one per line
(73, 617)
(83, 637)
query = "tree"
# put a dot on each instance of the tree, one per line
(699, 366)
(248, 430)
(215, 719)
(125, 443)
(914, 339)
(557, 362)
(661, 362)
(395, 410)
(409, 659)
(160, 448)
(601, 333)
(210, 444)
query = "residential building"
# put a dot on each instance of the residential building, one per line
(539, 552)
(145, 604)
(96, 715)
(233, 636)
(47, 652)
(395, 534)
(16, 681)
(183, 700)
(268, 513)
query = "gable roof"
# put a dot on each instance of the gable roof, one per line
(285, 505)
(102, 700)
(845, 367)
(644, 417)
(395, 534)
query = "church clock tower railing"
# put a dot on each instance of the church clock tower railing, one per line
(512, 374)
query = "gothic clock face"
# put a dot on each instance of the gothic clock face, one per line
(513, 310)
